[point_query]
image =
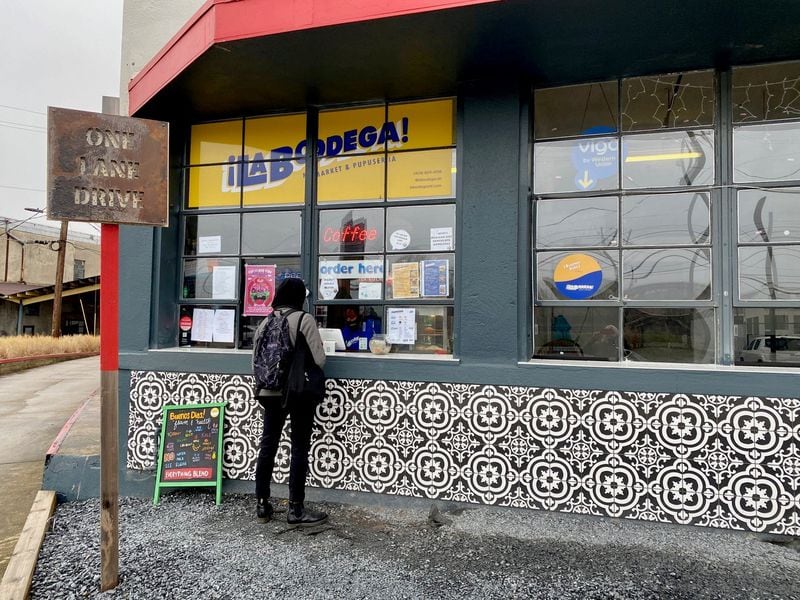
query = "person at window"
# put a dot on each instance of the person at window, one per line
(299, 407)
(351, 330)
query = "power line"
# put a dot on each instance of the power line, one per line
(18, 187)
(35, 112)
(32, 129)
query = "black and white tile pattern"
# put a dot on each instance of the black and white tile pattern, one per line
(716, 461)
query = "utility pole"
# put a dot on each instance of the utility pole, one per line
(62, 253)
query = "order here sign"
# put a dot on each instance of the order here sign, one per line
(106, 168)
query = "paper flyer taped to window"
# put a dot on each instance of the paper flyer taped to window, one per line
(202, 325)
(435, 278)
(441, 238)
(369, 290)
(209, 244)
(405, 280)
(223, 325)
(259, 290)
(402, 325)
(223, 282)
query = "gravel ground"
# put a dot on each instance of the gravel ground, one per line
(187, 547)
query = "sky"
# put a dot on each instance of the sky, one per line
(63, 53)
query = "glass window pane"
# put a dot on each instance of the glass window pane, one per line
(216, 142)
(275, 137)
(668, 159)
(211, 234)
(359, 324)
(576, 332)
(413, 276)
(351, 178)
(672, 335)
(353, 231)
(203, 337)
(350, 278)
(285, 267)
(212, 278)
(576, 165)
(421, 228)
(668, 274)
(767, 336)
(766, 92)
(273, 182)
(350, 131)
(769, 216)
(660, 101)
(425, 124)
(567, 222)
(575, 110)
(213, 187)
(575, 276)
(272, 233)
(421, 175)
(769, 273)
(766, 152)
(665, 219)
(419, 329)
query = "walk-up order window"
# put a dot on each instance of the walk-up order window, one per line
(631, 210)
(382, 246)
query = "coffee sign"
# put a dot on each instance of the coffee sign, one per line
(106, 168)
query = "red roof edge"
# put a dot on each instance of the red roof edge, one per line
(228, 20)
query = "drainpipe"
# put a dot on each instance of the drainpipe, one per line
(5, 274)
(19, 318)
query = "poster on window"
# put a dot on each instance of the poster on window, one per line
(259, 290)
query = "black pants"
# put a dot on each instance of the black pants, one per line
(301, 411)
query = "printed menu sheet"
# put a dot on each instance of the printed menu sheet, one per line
(405, 280)
(402, 327)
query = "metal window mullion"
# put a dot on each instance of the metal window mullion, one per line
(725, 246)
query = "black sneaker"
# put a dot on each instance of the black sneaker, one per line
(264, 511)
(299, 516)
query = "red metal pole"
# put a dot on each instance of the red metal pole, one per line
(109, 407)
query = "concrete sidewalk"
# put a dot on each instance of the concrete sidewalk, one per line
(34, 406)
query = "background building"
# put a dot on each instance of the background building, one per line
(28, 255)
(576, 223)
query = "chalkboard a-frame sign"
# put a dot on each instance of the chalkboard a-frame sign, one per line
(189, 450)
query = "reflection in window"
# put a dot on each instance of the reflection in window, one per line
(668, 274)
(766, 92)
(420, 228)
(677, 100)
(577, 276)
(674, 335)
(271, 233)
(576, 165)
(769, 273)
(767, 336)
(210, 278)
(666, 219)
(576, 110)
(668, 159)
(585, 333)
(211, 234)
(769, 215)
(566, 222)
(766, 152)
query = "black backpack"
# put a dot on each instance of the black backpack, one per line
(273, 352)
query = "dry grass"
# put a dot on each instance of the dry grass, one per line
(38, 345)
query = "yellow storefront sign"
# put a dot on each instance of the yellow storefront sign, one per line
(363, 154)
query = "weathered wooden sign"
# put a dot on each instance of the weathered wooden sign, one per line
(106, 168)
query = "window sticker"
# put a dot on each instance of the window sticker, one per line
(578, 276)
(400, 239)
(441, 238)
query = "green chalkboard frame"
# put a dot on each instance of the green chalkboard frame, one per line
(217, 482)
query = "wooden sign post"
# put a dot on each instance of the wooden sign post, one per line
(189, 450)
(107, 169)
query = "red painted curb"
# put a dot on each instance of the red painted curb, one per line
(65, 429)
